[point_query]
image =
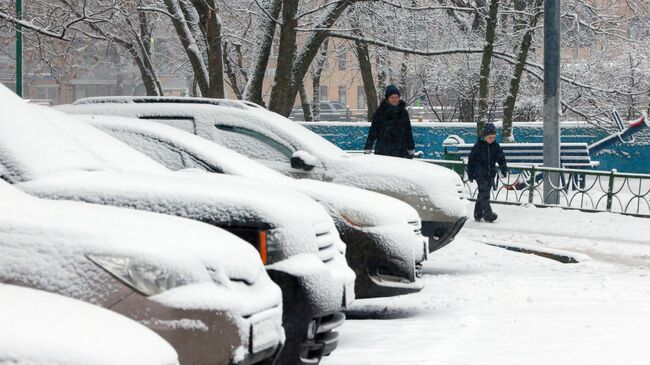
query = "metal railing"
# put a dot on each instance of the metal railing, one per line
(585, 190)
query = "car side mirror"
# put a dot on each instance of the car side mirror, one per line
(303, 160)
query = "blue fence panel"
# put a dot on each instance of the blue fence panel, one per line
(633, 157)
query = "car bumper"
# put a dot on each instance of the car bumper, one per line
(323, 340)
(313, 293)
(441, 233)
(209, 336)
(383, 259)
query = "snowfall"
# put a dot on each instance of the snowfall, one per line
(484, 304)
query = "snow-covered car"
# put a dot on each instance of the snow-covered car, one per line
(381, 243)
(40, 328)
(202, 289)
(434, 191)
(294, 235)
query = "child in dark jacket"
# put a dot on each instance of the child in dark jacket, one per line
(482, 168)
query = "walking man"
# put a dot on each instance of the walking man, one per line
(390, 130)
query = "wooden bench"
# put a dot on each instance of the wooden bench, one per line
(572, 155)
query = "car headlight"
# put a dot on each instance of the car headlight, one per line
(146, 278)
(356, 220)
(262, 240)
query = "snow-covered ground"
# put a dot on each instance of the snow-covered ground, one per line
(487, 305)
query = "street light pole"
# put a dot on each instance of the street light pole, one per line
(19, 49)
(551, 97)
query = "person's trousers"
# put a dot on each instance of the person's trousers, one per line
(482, 207)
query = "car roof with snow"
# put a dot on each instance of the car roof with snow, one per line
(211, 112)
(40, 328)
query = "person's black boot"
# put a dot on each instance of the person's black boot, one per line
(477, 218)
(490, 217)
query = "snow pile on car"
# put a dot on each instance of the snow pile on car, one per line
(36, 245)
(39, 328)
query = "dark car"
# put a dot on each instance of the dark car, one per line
(330, 111)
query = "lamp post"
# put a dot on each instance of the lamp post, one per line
(551, 97)
(19, 49)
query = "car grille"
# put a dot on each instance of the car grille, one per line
(326, 242)
(417, 226)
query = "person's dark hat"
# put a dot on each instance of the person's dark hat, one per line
(392, 89)
(489, 129)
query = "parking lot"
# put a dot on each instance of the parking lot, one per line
(486, 305)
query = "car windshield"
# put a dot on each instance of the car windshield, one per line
(59, 149)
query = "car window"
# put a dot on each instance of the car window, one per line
(184, 123)
(172, 159)
(338, 106)
(325, 107)
(170, 156)
(252, 144)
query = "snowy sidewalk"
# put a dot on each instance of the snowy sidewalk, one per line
(487, 305)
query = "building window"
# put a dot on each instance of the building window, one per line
(324, 93)
(341, 58)
(361, 97)
(47, 92)
(343, 96)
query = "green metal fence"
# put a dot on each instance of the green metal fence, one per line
(586, 190)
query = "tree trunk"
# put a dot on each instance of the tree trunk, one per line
(231, 72)
(403, 74)
(306, 107)
(262, 53)
(363, 55)
(215, 55)
(283, 102)
(282, 97)
(189, 43)
(515, 81)
(211, 30)
(484, 81)
(316, 74)
(382, 81)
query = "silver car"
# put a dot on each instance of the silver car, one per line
(40, 328)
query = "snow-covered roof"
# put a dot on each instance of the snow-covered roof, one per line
(211, 113)
(36, 246)
(39, 328)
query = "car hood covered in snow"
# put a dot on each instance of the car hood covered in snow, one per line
(39, 328)
(49, 241)
(218, 200)
(434, 191)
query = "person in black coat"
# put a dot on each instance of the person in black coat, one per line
(390, 130)
(485, 154)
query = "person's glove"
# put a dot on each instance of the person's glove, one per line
(470, 179)
(504, 173)
(367, 152)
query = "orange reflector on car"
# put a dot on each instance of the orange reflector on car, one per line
(263, 253)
